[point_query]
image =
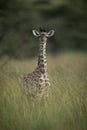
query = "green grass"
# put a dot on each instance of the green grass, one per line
(66, 106)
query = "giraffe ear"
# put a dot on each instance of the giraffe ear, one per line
(51, 33)
(36, 33)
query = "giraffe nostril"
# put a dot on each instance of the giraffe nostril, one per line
(42, 40)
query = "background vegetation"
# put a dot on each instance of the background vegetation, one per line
(18, 17)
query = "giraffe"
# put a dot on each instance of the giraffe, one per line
(37, 83)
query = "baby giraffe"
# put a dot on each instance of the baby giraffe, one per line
(37, 83)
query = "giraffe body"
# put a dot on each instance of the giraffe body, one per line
(37, 83)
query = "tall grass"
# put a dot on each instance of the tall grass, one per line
(66, 106)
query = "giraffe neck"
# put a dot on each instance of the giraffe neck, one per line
(42, 61)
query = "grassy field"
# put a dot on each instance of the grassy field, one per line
(66, 106)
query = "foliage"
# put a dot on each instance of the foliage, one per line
(67, 17)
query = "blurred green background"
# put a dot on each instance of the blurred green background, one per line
(18, 17)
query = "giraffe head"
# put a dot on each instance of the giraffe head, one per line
(43, 35)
